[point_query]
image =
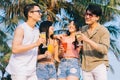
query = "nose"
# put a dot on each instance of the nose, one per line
(40, 13)
(87, 16)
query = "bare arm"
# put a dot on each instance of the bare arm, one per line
(56, 54)
(41, 56)
(47, 54)
(17, 46)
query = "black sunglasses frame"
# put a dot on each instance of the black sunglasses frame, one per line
(39, 11)
(90, 14)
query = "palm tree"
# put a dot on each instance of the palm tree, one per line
(13, 10)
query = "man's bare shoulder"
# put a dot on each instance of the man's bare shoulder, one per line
(19, 29)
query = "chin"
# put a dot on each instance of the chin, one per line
(39, 19)
(87, 22)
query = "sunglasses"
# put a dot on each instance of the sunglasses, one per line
(39, 11)
(89, 14)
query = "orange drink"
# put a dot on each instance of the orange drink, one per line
(50, 48)
(64, 46)
(43, 35)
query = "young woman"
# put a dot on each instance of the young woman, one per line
(46, 57)
(69, 68)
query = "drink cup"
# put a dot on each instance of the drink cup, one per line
(78, 34)
(64, 44)
(43, 35)
(50, 48)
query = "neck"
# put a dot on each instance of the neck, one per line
(93, 26)
(72, 34)
(31, 23)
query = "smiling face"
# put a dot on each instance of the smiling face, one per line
(92, 14)
(90, 18)
(35, 13)
(51, 30)
(72, 27)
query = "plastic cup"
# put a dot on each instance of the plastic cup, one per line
(43, 35)
(50, 48)
(64, 46)
(78, 34)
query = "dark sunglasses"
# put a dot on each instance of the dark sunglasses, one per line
(89, 14)
(39, 11)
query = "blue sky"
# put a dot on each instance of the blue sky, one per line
(116, 67)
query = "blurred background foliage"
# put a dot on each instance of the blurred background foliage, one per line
(57, 11)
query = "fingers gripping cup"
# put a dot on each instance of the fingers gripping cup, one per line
(78, 34)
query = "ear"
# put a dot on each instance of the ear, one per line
(97, 18)
(30, 14)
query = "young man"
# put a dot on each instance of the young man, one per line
(22, 63)
(96, 41)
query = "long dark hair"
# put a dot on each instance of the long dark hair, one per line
(76, 24)
(44, 27)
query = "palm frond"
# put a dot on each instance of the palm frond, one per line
(3, 43)
(3, 62)
(111, 68)
(1, 19)
(115, 49)
(114, 31)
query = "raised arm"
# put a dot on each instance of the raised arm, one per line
(17, 46)
(56, 53)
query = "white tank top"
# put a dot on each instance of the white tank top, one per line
(25, 63)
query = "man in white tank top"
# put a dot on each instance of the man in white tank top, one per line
(22, 63)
